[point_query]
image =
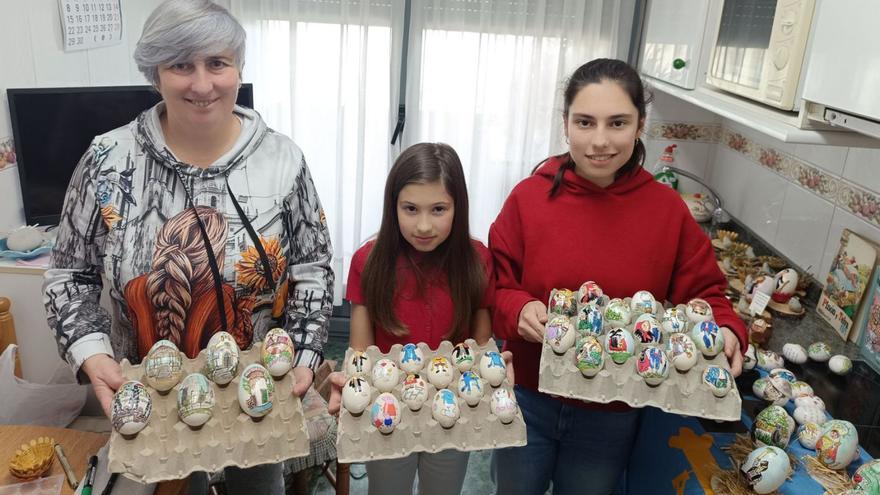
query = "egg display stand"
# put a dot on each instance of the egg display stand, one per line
(168, 449)
(782, 309)
(477, 428)
(680, 393)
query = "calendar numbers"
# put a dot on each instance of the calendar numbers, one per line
(90, 23)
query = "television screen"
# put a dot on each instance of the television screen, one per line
(52, 128)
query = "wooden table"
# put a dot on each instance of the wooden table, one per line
(78, 447)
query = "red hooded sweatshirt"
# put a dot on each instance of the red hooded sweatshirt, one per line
(636, 234)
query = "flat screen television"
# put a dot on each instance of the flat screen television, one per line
(52, 128)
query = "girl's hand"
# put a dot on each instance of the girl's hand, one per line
(337, 381)
(732, 351)
(106, 377)
(532, 318)
(508, 365)
(303, 376)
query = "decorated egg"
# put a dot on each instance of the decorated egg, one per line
(807, 435)
(652, 365)
(589, 292)
(837, 444)
(758, 387)
(647, 329)
(819, 351)
(195, 399)
(840, 364)
(809, 414)
(867, 477)
(445, 409)
(411, 358)
(794, 353)
(763, 284)
(440, 372)
(801, 389)
(795, 305)
(682, 351)
(784, 285)
(589, 320)
(131, 408)
(642, 302)
(810, 401)
(221, 358)
(163, 366)
(359, 364)
(590, 356)
(768, 360)
(277, 352)
(784, 374)
(356, 395)
(492, 368)
(749, 358)
(386, 374)
(503, 405)
(470, 388)
(415, 391)
(562, 302)
(674, 320)
(765, 469)
(385, 412)
(256, 391)
(617, 313)
(560, 334)
(708, 338)
(777, 391)
(698, 310)
(718, 380)
(773, 426)
(619, 344)
(462, 357)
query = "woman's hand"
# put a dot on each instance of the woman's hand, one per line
(508, 365)
(304, 377)
(337, 381)
(106, 377)
(532, 318)
(732, 351)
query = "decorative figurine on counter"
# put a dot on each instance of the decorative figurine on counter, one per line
(785, 283)
(760, 331)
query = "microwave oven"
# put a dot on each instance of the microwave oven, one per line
(759, 50)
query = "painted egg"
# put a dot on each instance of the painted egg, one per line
(440, 372)
(750, 360)
(386, 374)
(718, 380)
(589, 320)
(356, 395)
(617, 313)
(773, 426)
(195, 399)
(652, 365)
(221, 359)
(784, 284)
(470, 388)
(589, 292)
(492, 368)
(256, 391)
(768, 360)
(794, 304)
(385, 413)
(867, 477)
(503, 405)
(560, 334)
(359, 364)
(619, 344)
(777, 391)
(794, 353)
(163, 366)
(840, 364)
(784, 374)
(682, 351)
(590, 356)
(801, 389)
(415, 391)
(763, 284)
(758, 387)
(642, 302)
(698, 310)
(647, 329)
(708, 338)
(463, 357)
(445, 409)
(674, 320)
(807, 435)
(411, 358)
(819, 351)
(131, 408)
(562, 302)
(277, 352)
(837, 444)
(765, 469)
(809, 414)
(810, 401)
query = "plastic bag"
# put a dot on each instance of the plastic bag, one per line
(26, 403)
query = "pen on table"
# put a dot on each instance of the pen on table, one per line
(90, 475)
(109, 488)
(65, 465)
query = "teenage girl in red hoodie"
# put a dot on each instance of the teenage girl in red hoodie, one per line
(592, 213)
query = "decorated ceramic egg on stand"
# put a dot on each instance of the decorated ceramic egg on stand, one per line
(590, 356)
(277, 352)
(765, 469)
(492, 368)
(819, 352)
(708, 338)
(221, 358)
(674, 320)
(758, 387)
(256, 391)
(652, 365)
(647, 329)
(768, 360)
(195, 400)
(470, 388)
(794, 353)
(809, 414)
(809, 401)
(777, 391)
(385, 413)
(785, 283)
(163, 366)
(642, 302)
(440, 372)
(462, 357)
(411, 358)
(619, 344)
(589, 292)
(131, 408)
(359, 364)
(589, 320)
(750, 360)
(773, 426)
(801, 389)
(617, 314)
(758, 284)
(560, 334)
(356, 395)
(562, 302)
(867, 477)
(445, 409)
(503, 405)
(386, 374)
(415, 391)
(784, 374)
(808, 434)
(840, 365)
(698, 310)
(837, 444)
(718, 380)
(682, 351)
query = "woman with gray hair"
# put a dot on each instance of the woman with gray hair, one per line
(199, 217)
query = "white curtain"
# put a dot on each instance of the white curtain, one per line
(484, 76)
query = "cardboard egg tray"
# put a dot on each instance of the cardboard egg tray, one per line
(477, 428)
(681, 392)
(168, 448)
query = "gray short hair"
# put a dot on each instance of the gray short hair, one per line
(183, 30)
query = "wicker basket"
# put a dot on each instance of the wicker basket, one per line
(33, 460)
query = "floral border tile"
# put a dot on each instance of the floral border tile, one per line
(685, 131)
(860, 203)
(7, 153)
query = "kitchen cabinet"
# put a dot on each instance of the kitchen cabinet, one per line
(673, 40)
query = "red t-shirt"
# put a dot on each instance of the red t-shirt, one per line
(428, 317)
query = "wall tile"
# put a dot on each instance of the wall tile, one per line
(803, 227)
(828, 158)
(670, 108)
(863, 168)
(841, 220)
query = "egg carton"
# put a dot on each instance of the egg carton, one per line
(680, 393)
(168, 448)
(477, 428)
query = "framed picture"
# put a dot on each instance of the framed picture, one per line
(870, 341)
(846, 282)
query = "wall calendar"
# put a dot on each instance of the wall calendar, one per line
(90, 23)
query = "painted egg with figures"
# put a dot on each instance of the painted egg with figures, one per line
(809, 414)
(590, 357)
(840, 365)
(560, 334)
(801, 389)
(750, 360)
(445, 409)
(652, 365)
(256, 391)
(131, 408)
(589, 320)
(385, 413)
(492, 368)
(768, 360)
(221, 358)
(810, 401)
(470, 388)
(794, 353)
(411, 358)
(356, 395)
(386, 374)
(674, 320)
(617, 313)
(867, 477)
(503, 405)
(807, 435)
(642, 302)
(758, 387)
(589, 292)
(562, 303)
(765, 469)
(682, 351)
(777, 391)
(784, 284)
(277, 352)
(708, 338)
(163, 366)
(359, 364)
(440, 372)
(837, 444)
(619, 344)
(463, 357)
(415, 391)
(195, 400)
(647, 329)
(698, 310)
(819, 352)
(784, 374)
(762, 284)
(773, 426)
(718, 380)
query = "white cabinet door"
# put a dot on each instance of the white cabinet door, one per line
(673, 38)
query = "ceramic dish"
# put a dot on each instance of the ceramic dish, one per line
(23, 255)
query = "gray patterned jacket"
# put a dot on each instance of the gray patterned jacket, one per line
(127, 220)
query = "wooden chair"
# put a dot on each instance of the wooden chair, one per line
(7, 331)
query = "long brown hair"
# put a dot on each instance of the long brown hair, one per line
(425, 163)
